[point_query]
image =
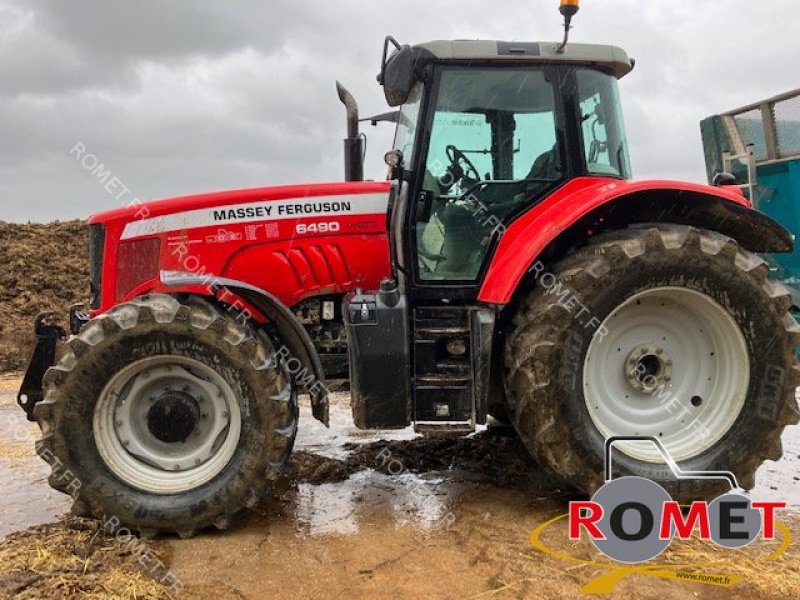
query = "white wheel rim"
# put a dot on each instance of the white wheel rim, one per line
(148, 450)
(671, 363)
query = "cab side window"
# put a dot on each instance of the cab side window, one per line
(604, 144)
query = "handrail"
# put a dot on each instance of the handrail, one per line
(756, 105)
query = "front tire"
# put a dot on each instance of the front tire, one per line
(663, 330)
(170, 416)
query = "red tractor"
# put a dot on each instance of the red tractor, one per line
(509, 267)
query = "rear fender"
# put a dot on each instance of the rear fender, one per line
(261, 305)
(585, 207)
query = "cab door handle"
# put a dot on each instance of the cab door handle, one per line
(423, 208)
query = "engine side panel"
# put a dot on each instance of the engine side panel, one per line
(295, 270)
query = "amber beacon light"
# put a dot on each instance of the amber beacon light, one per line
(568, 8)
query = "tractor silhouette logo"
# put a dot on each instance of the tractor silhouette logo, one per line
(632, 520)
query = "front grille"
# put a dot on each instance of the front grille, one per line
(97, 242)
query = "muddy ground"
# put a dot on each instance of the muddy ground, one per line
(359, 515)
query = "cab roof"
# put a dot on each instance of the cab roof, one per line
(610, 58)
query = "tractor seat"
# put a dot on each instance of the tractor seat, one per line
(546, 166)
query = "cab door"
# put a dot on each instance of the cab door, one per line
(491, 144)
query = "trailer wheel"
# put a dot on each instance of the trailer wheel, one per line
(657, 330)
(167, 417)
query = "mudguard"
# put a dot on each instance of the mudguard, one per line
(586, 205)
(292, 333)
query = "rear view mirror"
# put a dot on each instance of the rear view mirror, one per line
(397, 72)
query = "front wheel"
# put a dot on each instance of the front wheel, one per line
(167, 416)
(664, 331)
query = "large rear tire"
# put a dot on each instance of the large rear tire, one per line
(167, 417)
(665, 331)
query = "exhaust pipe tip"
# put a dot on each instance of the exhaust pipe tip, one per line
(353, 143)
(351, 106)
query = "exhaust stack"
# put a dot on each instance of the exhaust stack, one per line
(354, 142)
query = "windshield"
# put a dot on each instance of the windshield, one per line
(498, 123)
(407, 125)
(604, 145)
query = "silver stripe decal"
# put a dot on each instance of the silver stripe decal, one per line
(359, 204)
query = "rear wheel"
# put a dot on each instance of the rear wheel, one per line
(170, 416)
(665, 331)
(670, 363)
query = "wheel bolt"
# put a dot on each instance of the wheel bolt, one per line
(659, 351)
(125, 442)
(204, 416)
(225, 414)
(177, 467)
(118, 423)
(197, 461)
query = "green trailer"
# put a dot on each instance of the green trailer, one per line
(760, 145)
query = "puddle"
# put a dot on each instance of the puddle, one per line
(347, 507)
(26, 498)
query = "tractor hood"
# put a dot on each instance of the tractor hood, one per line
(186, 210)
(244, 235)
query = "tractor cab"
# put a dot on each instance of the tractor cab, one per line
(485, 130)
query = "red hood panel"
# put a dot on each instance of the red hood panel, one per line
(155, 208)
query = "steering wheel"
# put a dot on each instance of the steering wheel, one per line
(457, 158)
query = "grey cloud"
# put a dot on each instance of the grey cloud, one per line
(180, 97)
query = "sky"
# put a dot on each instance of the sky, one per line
(184, 96)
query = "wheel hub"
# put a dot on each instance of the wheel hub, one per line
(648, 368)
(166, 424)
(173, 417)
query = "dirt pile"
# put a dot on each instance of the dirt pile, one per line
(42, 266)
(77, 559)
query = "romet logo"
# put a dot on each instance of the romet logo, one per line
(632, 520)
